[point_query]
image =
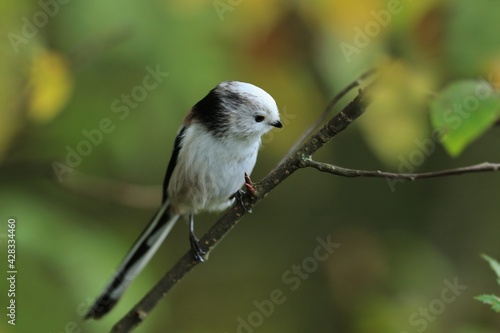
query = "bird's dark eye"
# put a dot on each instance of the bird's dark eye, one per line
(259, 118)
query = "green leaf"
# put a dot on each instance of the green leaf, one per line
(462, 112)
(492, 300)
(495, 265)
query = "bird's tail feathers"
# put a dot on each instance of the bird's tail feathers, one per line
(139, 255)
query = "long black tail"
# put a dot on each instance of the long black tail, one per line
(139, 255)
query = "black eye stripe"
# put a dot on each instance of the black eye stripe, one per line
(259, 118)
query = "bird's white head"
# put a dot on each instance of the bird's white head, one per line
(237, 110)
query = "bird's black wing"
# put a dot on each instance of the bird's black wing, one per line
(173, 162)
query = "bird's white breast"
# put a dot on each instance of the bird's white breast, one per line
(209, 170)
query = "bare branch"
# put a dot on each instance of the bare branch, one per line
(336, 125)
(339, 171)
(327, 111)
(293, 161)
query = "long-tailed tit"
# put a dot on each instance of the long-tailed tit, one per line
(215, 148)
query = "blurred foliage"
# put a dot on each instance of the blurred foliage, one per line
(463, 112)
(50, 84)
(492, 300)
(87, 128)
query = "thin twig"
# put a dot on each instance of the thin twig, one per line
(298, 158)
(344, 172)
(327, 112)
(336, 125)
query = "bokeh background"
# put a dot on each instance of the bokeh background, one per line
(66, 69)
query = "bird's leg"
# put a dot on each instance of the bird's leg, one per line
(196, 250)
(239, 194)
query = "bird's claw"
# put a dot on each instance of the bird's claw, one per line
(249, 185)
(196, 250)
(239, 197)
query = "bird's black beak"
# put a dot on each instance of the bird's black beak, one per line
(277, 124)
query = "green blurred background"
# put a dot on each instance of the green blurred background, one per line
(65, 64)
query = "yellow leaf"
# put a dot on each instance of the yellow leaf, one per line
(398, 117)
(345, 15)
(51, 86)
(494, 74)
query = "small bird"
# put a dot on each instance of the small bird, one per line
(214, 152)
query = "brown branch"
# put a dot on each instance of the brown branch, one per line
(339, 171)
(208, 242)
(328, 110)
(297, 159)
(137, 196)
